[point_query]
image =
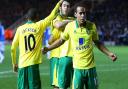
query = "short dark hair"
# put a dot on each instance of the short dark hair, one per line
(79, 5)
(32, 14)
(66, 1)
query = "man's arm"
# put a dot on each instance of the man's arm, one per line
(103, 49)
(100, 46)
(53, 14)
(61, 24)
(59, 42)
(51, 40)
(13, 51)
(56, 44)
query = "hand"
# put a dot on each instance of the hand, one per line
(113, 56)
(15, 68)
(44, 50)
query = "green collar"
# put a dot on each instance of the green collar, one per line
(29, 22)
(77, 25)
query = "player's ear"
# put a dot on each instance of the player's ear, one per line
(75, 14)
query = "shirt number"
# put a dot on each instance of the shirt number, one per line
(28, 45)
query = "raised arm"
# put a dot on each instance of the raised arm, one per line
(61, 24)
(53, 14)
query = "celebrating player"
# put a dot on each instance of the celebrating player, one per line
(29, 39)
(82, 34)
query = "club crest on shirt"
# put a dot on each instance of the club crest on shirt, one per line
(81, 41)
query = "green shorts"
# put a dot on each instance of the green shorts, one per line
(85, 78)
(65, 72)
(53, 71)
(29, 77)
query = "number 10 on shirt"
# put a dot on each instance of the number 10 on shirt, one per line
(29, 46)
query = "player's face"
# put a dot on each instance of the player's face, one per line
(80, 14)
(65, 7)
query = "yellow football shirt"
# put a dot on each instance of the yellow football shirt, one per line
(82, 43)
(29, 39)
(63, 50)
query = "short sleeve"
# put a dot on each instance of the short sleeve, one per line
(65, 34)
(94, 33)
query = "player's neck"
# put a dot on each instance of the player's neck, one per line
(82, 24)
(64, 16)
(29, 20)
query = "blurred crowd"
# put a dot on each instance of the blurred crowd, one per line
(110, 16)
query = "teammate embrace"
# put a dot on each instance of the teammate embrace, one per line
(73, 59)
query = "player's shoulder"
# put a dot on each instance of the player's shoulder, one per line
(58, 17)
(90, 25)
(71, 23)
(90, 22)
(21, 27)
(71, 18)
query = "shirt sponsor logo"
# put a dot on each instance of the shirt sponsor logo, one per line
(82, 47)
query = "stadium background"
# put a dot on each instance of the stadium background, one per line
(111, 18)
